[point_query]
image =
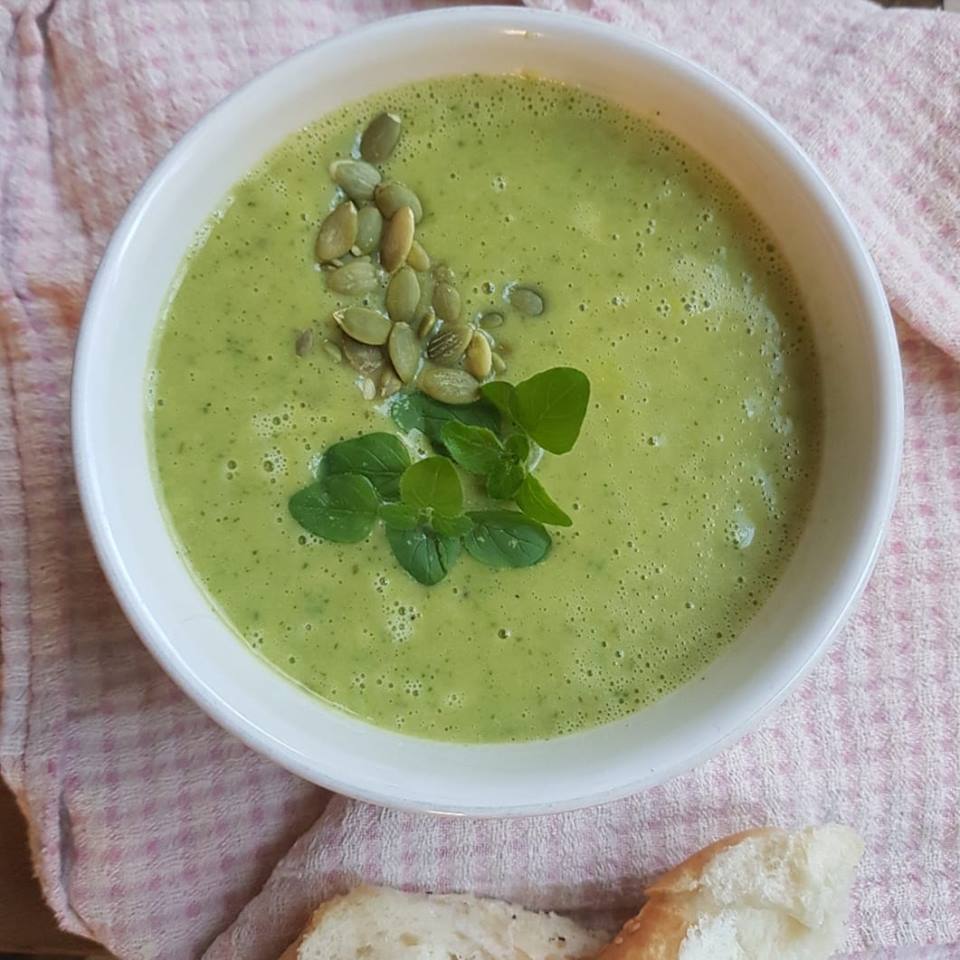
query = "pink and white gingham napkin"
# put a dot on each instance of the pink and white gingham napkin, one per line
(158, 834)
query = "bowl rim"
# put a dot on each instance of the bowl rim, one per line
(883, 485)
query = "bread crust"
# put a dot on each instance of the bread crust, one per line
(655, 933)
(659, 929)
(685, 877)
(293, 951)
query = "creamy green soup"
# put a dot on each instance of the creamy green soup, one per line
(688, 486)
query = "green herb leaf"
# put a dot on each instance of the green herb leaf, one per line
(551, 406)
(452, 526)
(400, 516)
(506, 538)
(502, 395)
(476, 449)
(380, 457)
(425, 554)
(517, 446)
(504, 480)
(407, 411)
(433, 483)
(340, 508)
(418, 411)
(535, 502)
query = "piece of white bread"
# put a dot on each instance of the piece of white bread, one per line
(760, 895)
(375, 923)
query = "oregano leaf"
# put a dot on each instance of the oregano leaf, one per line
(417, 411)
(401, 516)
(433, 483)
(340, 508)
(452, 526)
(506, 538)
(551, 406)
(380, 457)
(535, 502)
(504, 480)
(502, 395)
(476, 449)
(423, 552)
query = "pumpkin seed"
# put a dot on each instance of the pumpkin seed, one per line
(448, 385)
(397, 239)
(369, 228)
(499, 364)
(479, 357)
(490, 321)
(390, 383)
(368, 388)
(355, 277)
(403, 295)
(363, 324)
(426, 294)
(356, 178)
(404, 351)
(445, 274)
(427, 324)
(304, 342)
(448, 345)
(338, 232)
(418, 258)
(380, 138)
(527, 301)
(391, 196)
(366, 360)
(447, 303)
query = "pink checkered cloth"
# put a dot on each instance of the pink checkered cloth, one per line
(158, 834)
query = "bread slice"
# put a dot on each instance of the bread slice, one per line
(758, 895)
(375, 923)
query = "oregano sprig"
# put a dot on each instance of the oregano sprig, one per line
(547, 409)
(372, 478)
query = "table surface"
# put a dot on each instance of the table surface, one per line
(26, 924)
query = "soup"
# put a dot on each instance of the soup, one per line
(576, 236)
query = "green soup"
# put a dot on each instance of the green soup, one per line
(689, 484)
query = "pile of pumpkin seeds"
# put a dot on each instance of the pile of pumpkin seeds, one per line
(407, 326)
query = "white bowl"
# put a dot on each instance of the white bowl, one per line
(854, 497)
